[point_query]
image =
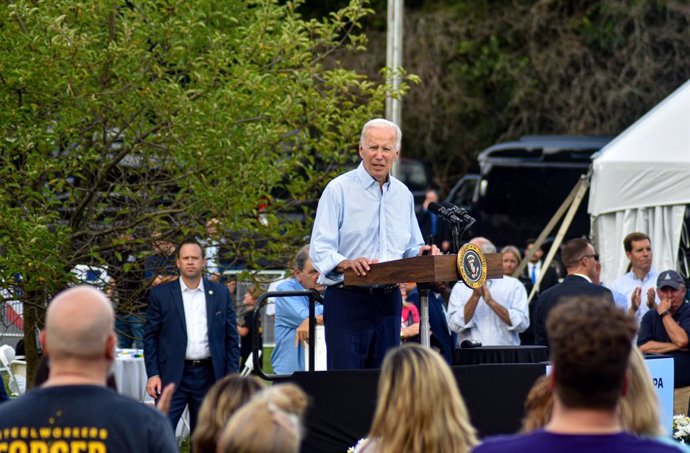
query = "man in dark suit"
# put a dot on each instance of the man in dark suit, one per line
(191, 336)
(580, 259)
(442, 338)
(534, 269)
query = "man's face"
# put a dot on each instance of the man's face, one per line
(640, 255)
(190, 262)
(378, 152)
(308, 276)
(537, 255)
(674, 295)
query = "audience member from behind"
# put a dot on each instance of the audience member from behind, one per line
(538, 405)
(272, 422)
(639, 285)
(580, 259)
(639, 407)
(590, 348)
(419, 407)
(666, 329)
(221, 402)
(80, 341)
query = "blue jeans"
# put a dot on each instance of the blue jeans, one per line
(130, 330)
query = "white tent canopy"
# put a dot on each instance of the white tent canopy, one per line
(641, 182)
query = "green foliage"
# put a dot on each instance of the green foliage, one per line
(497, 70)
(118, 119)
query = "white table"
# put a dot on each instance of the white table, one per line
(130, 374)
(130, 378)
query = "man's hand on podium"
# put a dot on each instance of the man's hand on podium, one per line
(428, 250)
(359, 265)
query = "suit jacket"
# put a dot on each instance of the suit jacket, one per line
(165, 333)
(426, 225)
(441, 336)
(550, 279)
(571, 286)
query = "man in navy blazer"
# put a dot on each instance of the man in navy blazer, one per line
(190, 337)
(580, 259)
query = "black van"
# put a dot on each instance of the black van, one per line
(522, 183)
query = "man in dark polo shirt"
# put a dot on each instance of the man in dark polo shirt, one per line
(665, 330)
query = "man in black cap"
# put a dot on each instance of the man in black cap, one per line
(666, 329)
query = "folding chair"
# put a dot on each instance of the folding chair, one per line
(6, 357)
(249, 365)
(18, 369)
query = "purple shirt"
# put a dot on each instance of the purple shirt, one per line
(546, 442)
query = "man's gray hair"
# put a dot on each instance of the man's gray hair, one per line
(485, 245)
(382, 123)
(302, 257)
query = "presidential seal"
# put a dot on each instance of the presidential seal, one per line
(471, 264)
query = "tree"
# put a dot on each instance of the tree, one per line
(493, 70)
(120, 118)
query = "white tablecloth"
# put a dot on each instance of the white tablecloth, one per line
(130, 378)
(130, 374)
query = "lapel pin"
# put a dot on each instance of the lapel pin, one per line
(210, 292)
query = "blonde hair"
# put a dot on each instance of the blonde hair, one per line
(639, 407)
(270, 423)
(221, 401)
(538, 405)
(419, 407)
(513, 251)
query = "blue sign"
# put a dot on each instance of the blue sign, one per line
(661, 371)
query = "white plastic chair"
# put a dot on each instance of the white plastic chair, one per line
(6, 357)
(18, 369)
(249, 365)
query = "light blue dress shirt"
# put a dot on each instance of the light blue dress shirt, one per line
(290, 312)
(627, 283)
(356, 218)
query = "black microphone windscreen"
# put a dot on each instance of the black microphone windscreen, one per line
(435, 207)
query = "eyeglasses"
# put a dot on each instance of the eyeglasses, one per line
(595, 256)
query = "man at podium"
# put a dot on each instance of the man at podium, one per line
(365, 216)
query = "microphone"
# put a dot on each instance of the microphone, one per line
(445, 213)
(467, 219)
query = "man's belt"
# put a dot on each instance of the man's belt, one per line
(198, 362)
(372, 290)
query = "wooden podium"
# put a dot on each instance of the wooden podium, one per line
(421, 269)
(427, 269)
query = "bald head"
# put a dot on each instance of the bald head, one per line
(79, 323)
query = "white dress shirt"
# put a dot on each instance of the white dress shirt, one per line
(194, 301)
(486, 326)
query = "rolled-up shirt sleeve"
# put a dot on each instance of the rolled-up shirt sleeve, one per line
(456, 309)
(518, 310)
